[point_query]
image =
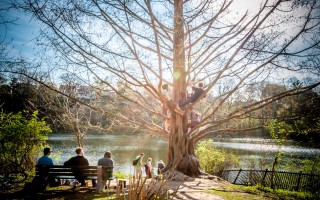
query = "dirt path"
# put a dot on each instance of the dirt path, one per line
(194, 188)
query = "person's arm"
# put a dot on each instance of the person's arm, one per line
(86, 161)
(67, 163)
(38, 161)
(197, 114)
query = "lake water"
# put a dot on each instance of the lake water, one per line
(125, 148)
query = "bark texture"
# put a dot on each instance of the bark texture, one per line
(180, 151)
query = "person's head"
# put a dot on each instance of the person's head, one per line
(79, 151)
(160, 161)
(141, 154)
(150, 159)
(46, 151)
(165, 87)
(107, 154)
(200, 84)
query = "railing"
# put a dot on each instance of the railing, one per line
(274, 179)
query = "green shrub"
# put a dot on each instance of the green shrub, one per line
(214, 161)
(21, 139)
(120, 175)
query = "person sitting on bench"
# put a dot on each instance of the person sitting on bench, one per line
(105, 161)
(76, 161)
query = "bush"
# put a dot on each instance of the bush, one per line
(214, 161)
(120, 175)
(21, 139)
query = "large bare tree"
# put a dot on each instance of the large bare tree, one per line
(144, 44)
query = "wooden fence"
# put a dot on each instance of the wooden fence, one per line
(274, 179)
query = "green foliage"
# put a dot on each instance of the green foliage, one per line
(120, 175)
(280, 131)
(213, 160)
(299, 128)
(21, 138)
(311, 166)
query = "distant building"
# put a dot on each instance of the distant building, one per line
(70, 90)
(87, 93)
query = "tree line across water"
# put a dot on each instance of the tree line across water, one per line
(295, 117)
(22, 100)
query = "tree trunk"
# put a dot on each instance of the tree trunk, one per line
(180, 152)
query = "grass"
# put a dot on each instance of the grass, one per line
(234, 195)
(258, 192)
(286, 194)
(235, 192)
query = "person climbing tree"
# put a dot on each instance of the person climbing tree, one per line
(194, 119)
(197, 92)
(165, 91)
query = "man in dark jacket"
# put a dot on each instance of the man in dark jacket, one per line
(76, 161)
(197, 92)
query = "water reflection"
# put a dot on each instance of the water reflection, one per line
(259, 152)
(262, 146)
(124, 148)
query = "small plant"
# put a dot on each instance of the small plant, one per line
(143, 188)
(119, 175)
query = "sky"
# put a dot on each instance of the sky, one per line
(22, 35)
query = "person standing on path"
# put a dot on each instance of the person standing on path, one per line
(137, 167)
(149, 168)
(161, 166)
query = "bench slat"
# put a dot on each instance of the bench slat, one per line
(60, 171)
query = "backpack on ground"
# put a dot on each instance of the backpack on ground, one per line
(135, 161)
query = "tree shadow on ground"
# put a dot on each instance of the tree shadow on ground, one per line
(56, 193)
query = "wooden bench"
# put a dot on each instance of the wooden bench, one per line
(45, 173)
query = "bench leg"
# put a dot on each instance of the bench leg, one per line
(100, 186)
(39, 184)
(94, 183)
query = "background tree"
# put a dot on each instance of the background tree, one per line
(78, 118)
(27, 96)
(145, 44)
